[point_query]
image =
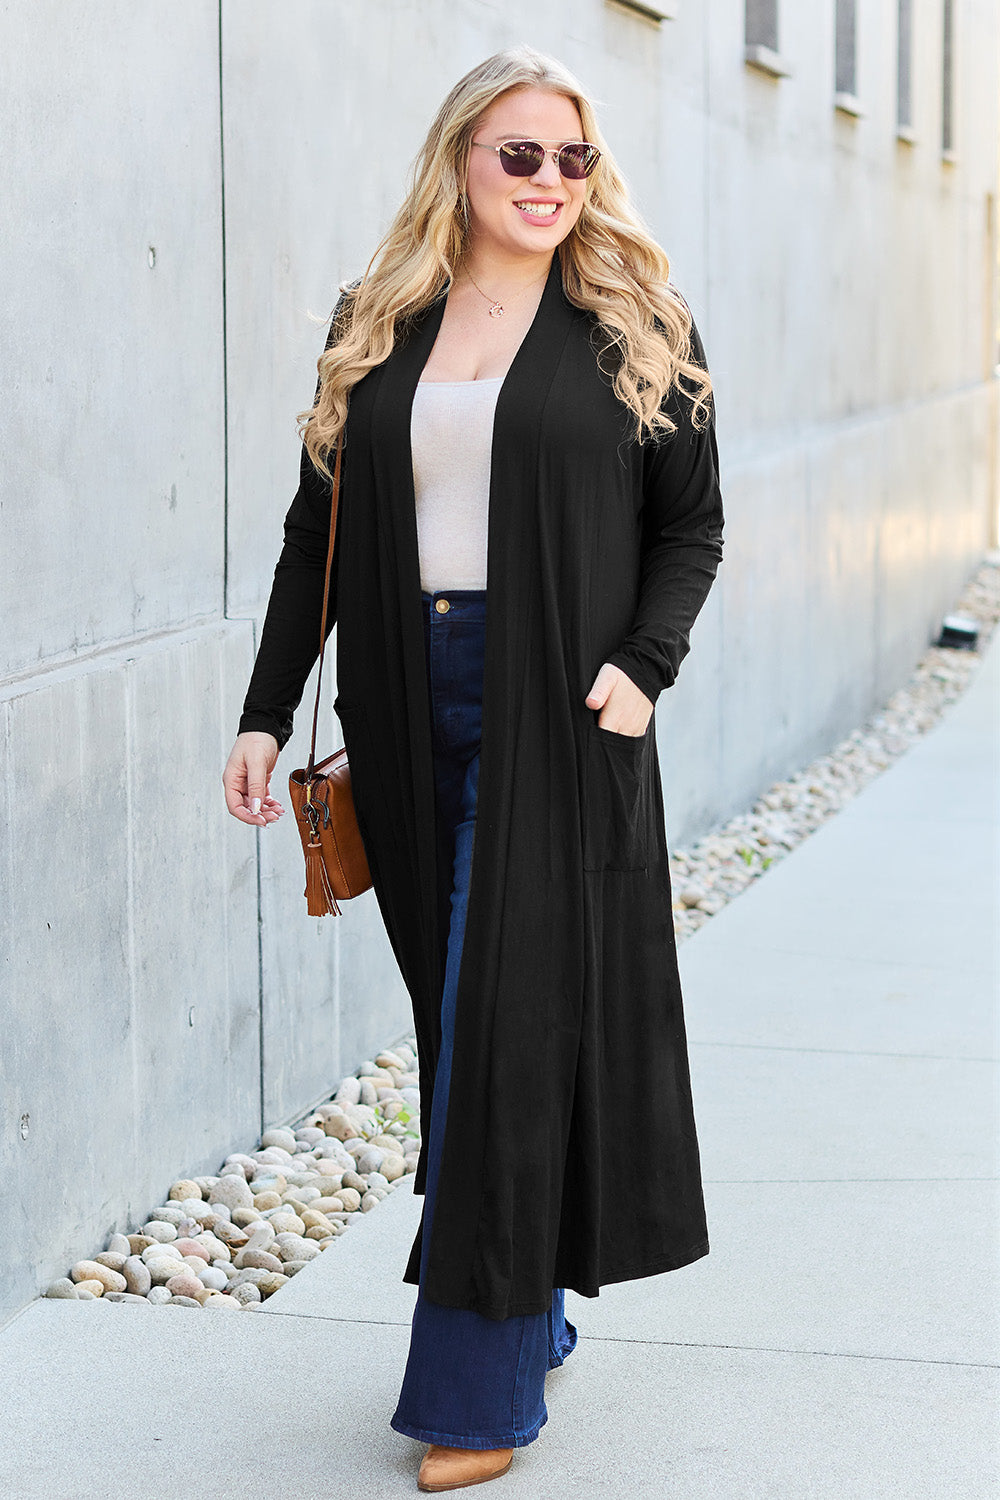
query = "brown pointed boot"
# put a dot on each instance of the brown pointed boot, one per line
(453, 1468)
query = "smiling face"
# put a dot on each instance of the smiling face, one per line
(518, 216)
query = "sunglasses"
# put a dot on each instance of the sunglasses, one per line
(524, 158)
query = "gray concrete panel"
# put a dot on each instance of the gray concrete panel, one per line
(129, 947)
(739, 995)
(901, 931)
(808, 1115)
(625, 1417)
(197, 1046)
(112, 486)
(890, 1270)
(288, 1399)
(67, 978)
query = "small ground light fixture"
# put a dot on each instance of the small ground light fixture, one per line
(958, 632)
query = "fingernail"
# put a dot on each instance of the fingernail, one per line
(255, 806)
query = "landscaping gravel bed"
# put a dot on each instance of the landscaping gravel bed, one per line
(231, 1240)
(712, 871)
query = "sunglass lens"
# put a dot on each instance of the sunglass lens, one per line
(578, 160)
(521, 158)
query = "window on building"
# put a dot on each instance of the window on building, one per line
(762, 24)
(904, 71)
(846, 69)
(947, 81)
(761, 38)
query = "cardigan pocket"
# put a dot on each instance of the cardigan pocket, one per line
(616, 835)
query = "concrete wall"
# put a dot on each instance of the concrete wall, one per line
(181, 190)
(162, 992)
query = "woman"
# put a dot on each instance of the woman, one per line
(522, 396)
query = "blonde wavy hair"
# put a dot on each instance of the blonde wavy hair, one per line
(611, 266)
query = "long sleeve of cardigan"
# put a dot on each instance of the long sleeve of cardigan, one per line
(289, 641)
(682, 528)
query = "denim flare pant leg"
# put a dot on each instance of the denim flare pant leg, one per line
(470, 1381)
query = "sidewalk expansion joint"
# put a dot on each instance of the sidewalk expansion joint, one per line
(895, 1359)
(845, 1051)
(276, 1312)
(749, 1181)
(588, 1338)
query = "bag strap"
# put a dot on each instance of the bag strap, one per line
(334, 501)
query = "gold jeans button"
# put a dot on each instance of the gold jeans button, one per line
(442, 606)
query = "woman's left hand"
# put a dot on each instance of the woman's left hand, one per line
(627, 710)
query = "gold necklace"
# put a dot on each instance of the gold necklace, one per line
(496, 309)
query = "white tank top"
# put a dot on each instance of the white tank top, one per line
(451, 434)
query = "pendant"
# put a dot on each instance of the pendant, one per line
(496, 311)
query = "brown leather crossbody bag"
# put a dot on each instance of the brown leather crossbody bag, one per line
(336, 863)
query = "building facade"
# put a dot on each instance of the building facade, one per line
(182, 189)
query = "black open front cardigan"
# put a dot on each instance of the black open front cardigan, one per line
(570, 1029)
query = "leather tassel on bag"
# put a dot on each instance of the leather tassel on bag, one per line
(319, 893)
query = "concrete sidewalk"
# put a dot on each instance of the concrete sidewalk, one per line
(839, 1341)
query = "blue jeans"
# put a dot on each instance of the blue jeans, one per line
(470, 1381)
